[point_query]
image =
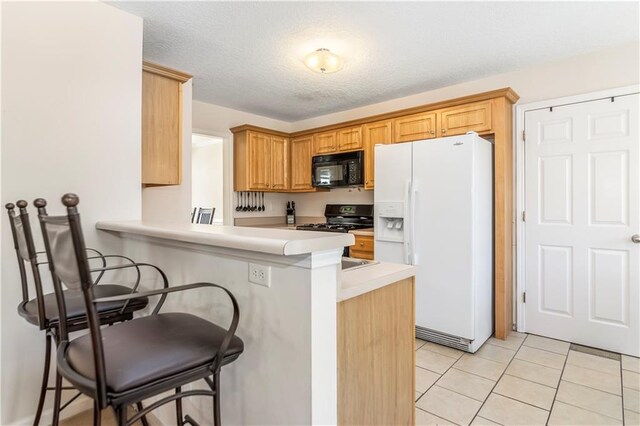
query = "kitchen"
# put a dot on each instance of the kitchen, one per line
(270, 149)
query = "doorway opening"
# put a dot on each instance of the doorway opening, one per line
(207, 178)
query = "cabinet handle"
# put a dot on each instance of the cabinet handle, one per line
(444, 130)
(361, 244)
(433, 132)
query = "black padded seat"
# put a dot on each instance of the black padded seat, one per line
(152, 348)
(76, 306)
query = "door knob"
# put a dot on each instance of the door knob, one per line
(635, 238)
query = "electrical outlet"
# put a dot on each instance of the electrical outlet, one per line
(260, 274)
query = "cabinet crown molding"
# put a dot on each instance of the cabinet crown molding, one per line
(166, 72)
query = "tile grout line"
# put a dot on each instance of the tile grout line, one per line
(624, 422)
(436, 382)
(590, 387)
(530, 381)
(591, 411)
(555, 395)
(496, 384)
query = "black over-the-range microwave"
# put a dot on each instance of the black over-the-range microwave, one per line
(336, 170)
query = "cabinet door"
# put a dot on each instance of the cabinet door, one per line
(415, 127)
(462, 119)
(301, 153)
(259, 161)
(325, 143)
(363, 248)
(279, 163)
(376, 133)
(161, 130)
(350, 139)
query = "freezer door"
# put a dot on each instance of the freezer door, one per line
(443, 209)
(393, 183)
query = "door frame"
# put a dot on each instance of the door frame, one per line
(519, 176)
(227, 165)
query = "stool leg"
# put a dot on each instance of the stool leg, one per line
(121, 414)
(45, 379)
(216, 399)
(143, 419)
(179, 418)
(56, 400)
(97, 414)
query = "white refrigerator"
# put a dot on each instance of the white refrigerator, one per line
(434, 210)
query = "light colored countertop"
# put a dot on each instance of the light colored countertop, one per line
(264, 240)
(358, 281)
(366, 232)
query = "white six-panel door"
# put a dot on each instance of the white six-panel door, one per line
(582, 194)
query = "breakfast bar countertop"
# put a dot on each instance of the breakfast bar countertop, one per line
(263, 240)
(360, 280)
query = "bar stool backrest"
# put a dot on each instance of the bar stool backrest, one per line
(66, 252)
(26, 254)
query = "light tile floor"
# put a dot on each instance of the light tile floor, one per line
(524, 380)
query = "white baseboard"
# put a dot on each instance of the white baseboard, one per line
(78, 406)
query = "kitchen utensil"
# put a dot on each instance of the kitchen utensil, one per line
(245, 203)
(238, 201)
(262, 206)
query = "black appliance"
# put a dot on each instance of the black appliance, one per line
(343, 218)
(336, 170)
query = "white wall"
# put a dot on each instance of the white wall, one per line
(207, 177)
(215, 120)
(71, 79)
(601, 70)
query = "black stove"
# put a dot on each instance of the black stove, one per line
(343, 218)
(326, 227)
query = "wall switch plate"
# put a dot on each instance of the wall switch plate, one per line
(260, 274)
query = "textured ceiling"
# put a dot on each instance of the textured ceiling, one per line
(248, 55)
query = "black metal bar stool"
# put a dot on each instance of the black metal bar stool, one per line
(131, 361)
(42, 311)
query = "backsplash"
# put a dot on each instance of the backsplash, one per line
(307, 204)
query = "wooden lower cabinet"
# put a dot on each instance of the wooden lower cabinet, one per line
(380, 132)
(376, 357)
(363, 248)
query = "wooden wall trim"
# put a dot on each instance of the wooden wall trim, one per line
(166, 72)
(244, 127)
(506, 92)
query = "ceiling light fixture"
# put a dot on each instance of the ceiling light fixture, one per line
(323, 61)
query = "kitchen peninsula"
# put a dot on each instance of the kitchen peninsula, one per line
(322, 345)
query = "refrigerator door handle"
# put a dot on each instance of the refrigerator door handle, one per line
(412, 219)
(407, 224)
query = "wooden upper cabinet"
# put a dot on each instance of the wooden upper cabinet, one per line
(301, 153)
(415, 127)
(259, 161)
(380, 132)
(279, 163)
(162, 125)
(325, 143)
(459, 120)
(350, 139)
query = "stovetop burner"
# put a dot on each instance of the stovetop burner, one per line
(343, 218)
(328, 227)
